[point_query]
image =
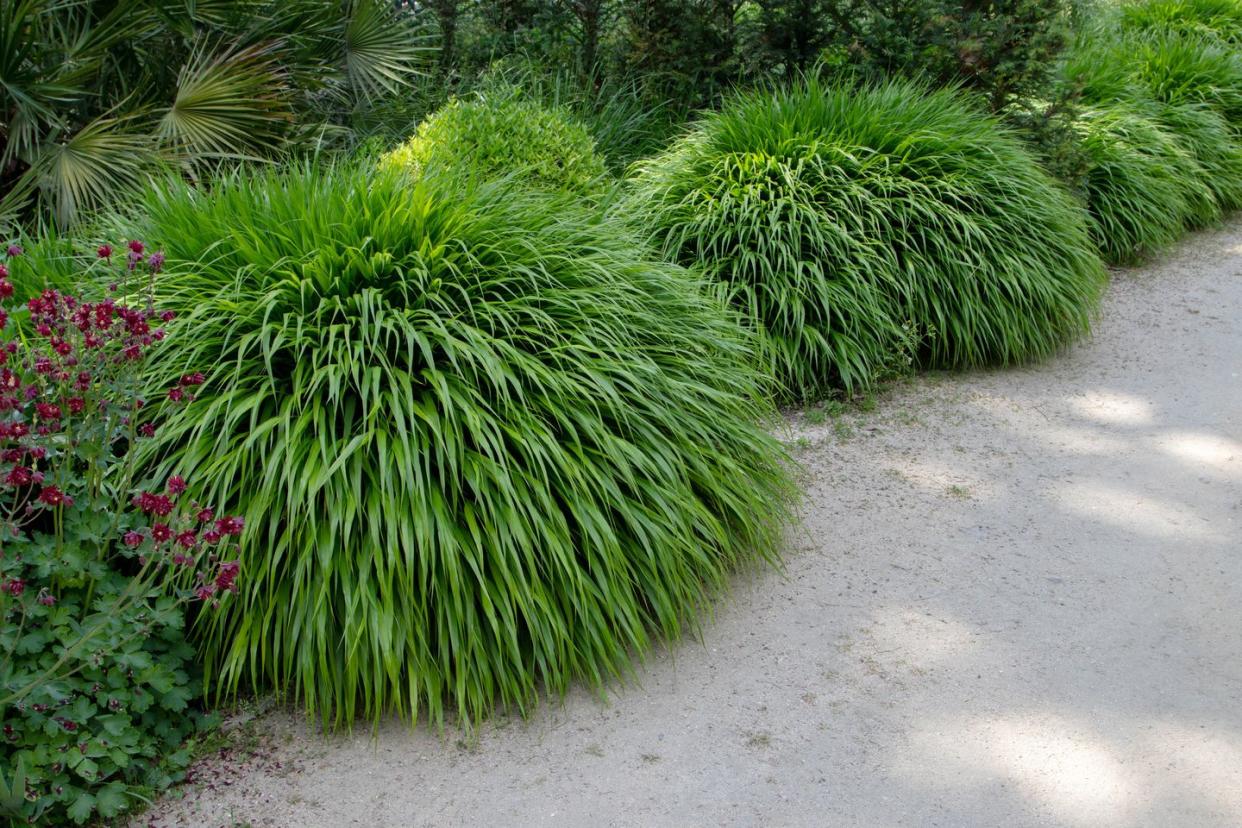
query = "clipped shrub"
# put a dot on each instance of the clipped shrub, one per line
(481, 444)
(834, 217)
(500, 135)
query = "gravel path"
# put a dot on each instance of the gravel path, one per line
(1014, 600)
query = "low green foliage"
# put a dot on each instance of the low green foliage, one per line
(482, 445)
(848, 223)
(504, 134)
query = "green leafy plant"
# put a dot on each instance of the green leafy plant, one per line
(96, 95)
(95, 673)
(846, 222)
(483, 446)
(503, 134)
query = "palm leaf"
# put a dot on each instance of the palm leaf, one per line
(382, 52)
(231, 104)
(90, 168)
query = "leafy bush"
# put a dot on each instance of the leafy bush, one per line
(481, 444)
(1176, 69)
(500, 135)
(95, 678)
(1002, 50)
(834, 216)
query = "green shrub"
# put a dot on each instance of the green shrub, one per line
(1215, 18)
(499, 135)
(1004, 51)
(1214, 146)
(833, 217)
(481, 444)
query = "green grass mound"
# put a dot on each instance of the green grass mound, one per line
(846, 221)
(482, 445)
(1177, 69)
(502, 135)
(1214, 18)
(1142, 188)
(1161, 155)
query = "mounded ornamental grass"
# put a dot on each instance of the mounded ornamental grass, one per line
(846, 222)
(482, 445)
(1141, 187)
(502, 134)
(1215, 18)
(1161, 154)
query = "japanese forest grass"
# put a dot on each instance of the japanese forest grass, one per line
(856, 227)
(482, 445)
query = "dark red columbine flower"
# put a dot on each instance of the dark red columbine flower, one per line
(136, 246)
(76, 405)
(4, 272)
(227, 576)
(176, 484)
(48, 411)
(211, 536)
(132, 539)
(53, 496)
(196, 378)
(161, 532)
(19, 476)
(46, 598)
(6, 288)
(147, 429)
(176, 394)
(205, 591)
(156, 261)
(104, 251)
(167, 316)
(229, 525)
(205, 515)
(15, 250)
(187, 539)
(13, 586)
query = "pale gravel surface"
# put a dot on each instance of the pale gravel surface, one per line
(1015, 599)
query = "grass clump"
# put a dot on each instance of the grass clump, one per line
(1212, 18)
(1162, 153)
(846, 222)
(482, 444)
(501, 135)
(1141, 187)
